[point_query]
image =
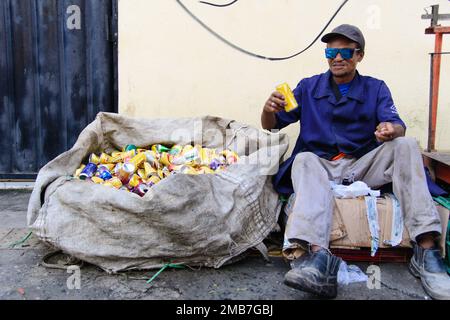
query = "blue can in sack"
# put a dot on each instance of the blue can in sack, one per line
(89, 171)
(105, 175)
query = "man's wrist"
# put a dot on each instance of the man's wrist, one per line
(399, 131)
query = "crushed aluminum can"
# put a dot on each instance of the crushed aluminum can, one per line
(79, 170)
(141, 189)
(123, 156)
(154, 180)
(104, 158)
(109, 166)
(149, 170)
(93, 158)
(141, 174)
(166, 159)
(105, 175)
(192, 157)
(129, 148)
(152, 158)
(125, 172)
(97, 180)
(215, 164)
(115, 182)
(138, 160)
(158, 148)
(176, 149)
(134, 181)
(89, 171)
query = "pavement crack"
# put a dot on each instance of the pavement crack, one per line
(406, 293)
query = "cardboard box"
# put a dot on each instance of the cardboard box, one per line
(351, 228)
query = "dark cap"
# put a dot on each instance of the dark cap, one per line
(346, 30)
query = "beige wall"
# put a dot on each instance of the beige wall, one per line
(170, 66)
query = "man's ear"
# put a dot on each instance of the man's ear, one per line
(360, 56)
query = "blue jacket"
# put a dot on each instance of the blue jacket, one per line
(329, 127)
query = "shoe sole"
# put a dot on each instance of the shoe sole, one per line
(414, 269)
(325, 291)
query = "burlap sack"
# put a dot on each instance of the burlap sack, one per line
(203, 220)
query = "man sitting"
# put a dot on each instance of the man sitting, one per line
(350, 130)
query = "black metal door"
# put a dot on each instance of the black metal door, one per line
(57, 71)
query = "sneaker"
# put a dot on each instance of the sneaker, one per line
(429, 266)
(316, 273)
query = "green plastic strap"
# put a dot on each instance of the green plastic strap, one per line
(168, 265)
(448, 248)
(21, 241)
(443, 201)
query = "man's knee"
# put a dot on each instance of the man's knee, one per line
(305, 158)
(405, 142)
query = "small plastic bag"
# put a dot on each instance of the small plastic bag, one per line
(350, 274)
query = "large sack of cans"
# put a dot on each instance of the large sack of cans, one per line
(138, 169)
(138, 194)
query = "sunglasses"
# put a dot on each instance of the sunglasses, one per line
(346, 53)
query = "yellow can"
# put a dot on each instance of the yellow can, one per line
(97, 180)
(122, 156)
(116, 158)
(286, 91)
(126, 171)
(115, 182)
(134, 181)
(93, 158)
(141, 174)
(166, 159)
(149, 170)
(186, 149)
(154, 179)
(79, 170)
(138, 160)
(104, 158)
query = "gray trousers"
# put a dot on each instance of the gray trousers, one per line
(398, 161)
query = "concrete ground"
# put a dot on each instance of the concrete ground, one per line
(22, 277)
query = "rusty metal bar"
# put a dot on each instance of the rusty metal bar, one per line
(434, 85)
(430, 143)
(435, 90)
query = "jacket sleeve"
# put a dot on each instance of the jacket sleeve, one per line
(386, 109)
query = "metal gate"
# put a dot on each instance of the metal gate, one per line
(57, 71)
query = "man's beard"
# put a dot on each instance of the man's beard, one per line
(341, 74)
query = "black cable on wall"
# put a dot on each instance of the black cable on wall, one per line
(255, 55)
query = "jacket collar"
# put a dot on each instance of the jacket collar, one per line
(324, 89)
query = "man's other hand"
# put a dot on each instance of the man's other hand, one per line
(385, 132)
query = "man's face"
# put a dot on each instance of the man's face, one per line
(340, 67)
